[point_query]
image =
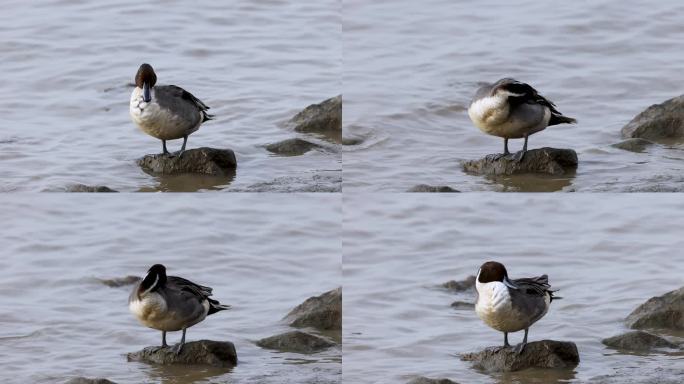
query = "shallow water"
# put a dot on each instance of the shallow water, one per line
(606, 256)
(410, 69)
(66, 73)
(57, 320)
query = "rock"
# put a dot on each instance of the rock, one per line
(459, 286)
(323, 312)
(663, 312)
(462, 305)
(120, 281)
(324, 118)
(640, 375)
(291, 147)
(207, 161)
(295, 341)
(202, 352)
(542, 160)
(425, 380)
(431, 188)
(633, 145)
(88, 188)
(537, 354)
(352, 140)
(638, 341)
(85, 380)
(658, 122)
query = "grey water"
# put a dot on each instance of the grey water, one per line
(410, 69)
(68, 65)
(604, 255)
(58, 320)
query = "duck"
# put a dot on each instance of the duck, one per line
(170, 303)
(512, 109)
(511, 305)
(166, 112)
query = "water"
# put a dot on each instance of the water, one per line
(66, 73)
(605, 255)
(262, 257)
(410, 69)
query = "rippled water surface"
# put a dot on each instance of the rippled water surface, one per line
(606, 256)
(410, 69)
(67, 67)
(57, 320)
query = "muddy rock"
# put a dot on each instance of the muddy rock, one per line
(295, 341)
(463, 305)
(202, 352)
(537, 354)
(633, 145)
(120, 281)
(638, 341)
(658, 122)
(85, 380)
(660, 312)
(206, 161)
(291, 147)
(88, 188)
(323, 312)
(460, 286)
(425, 380)
(545, 160)
(324, 118)
(431, 188)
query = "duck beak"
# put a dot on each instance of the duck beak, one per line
(509, 283)
(146, 93)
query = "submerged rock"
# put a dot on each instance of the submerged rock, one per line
(352, 140)
(425, 380)
(325, 118)
(546, 160)
(207, 161)
(295, 341)
(537, 354)
(462, 305)
(658, 122)
(85, 380)
(431, 188)
(638, 341)
(291, 147)
(88, 188)
(459, 286)
(633, 145)
(664, 312)
(120, 281)
(323, 312)
(202, 352)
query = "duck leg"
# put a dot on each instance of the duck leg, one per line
(166, 152)
(164, 345)
(506, 345)
(180, 153)
(177, 349)
(506, 152)
(520, 155)
(522, 345)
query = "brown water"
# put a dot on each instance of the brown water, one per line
(411, 68)
(57, 320)
(606, 255)
(67, 66)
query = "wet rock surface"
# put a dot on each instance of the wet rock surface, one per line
(537, 354)
(660, 312)
(322, 312)
(463, 305)
(638, 375)
(85, 380)
(633, 145)
(658, 122)
(638, 341)
(320, 182)
(205, 161)
(431, 188)
(460, 286)
(425, 380)
(88, 188)
(120, 281)
(324, 118)
(552, 161)
(352, 140)
(202, 352)
(295, 341)
(291, 147)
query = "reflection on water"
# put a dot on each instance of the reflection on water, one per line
(602, 254)
(411, 68)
